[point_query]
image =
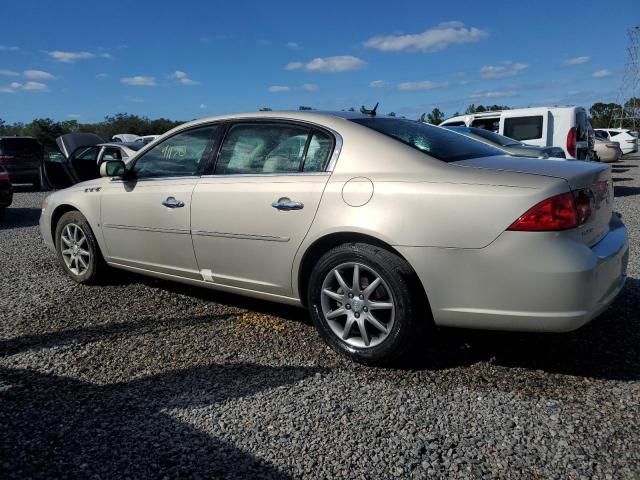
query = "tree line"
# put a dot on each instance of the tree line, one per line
(46, 130)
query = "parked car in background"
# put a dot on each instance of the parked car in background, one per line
(606, 150)
(628, 142)
(509, 145)
(565, 127)
(305, 208)
(80, 157)
(125, 138)
(22, 158)
(6, 191)
(147, 138)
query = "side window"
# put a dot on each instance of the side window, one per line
(178, 156)
(262, 148)
(320, 148)
(90, 154)
(111, 153)
(523, 128)
(491, 124)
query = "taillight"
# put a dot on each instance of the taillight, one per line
(4, 176)
(571, 141)
(4, 159)
(560, 212)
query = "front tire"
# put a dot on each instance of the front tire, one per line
(362, 300)
(78, 251)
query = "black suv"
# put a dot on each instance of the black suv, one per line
(22, 157)
(6, 191)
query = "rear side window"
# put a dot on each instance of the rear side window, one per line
(437, 142)
(273, 148)
(20, 146)
(523, 128)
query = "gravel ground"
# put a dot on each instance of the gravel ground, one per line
(144, 378)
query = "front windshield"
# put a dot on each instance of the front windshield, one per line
(434, 141)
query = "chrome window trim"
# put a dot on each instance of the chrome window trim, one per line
(262, 175)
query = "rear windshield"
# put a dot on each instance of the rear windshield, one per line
(19, 146)
(434, 141)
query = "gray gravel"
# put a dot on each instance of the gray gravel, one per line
(143, 378)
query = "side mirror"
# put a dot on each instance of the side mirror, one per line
(112, 168)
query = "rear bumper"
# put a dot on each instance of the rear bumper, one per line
(545, 282)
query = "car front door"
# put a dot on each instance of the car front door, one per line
(250, 216)
(146, 215)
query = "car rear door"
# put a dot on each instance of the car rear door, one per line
(146, 216)
(531, 128)
(250, 216)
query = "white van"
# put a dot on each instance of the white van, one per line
(565, 127)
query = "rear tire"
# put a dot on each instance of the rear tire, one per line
(376, 326)
(78, 251)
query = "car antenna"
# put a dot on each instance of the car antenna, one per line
(371, 112)
(421, 118)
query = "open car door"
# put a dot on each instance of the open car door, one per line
(76, 161)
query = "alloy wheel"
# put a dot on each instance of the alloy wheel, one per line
(74, 249)
(358, 305)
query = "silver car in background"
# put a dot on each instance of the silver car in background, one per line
(381, 227)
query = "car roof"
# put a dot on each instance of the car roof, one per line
(309, 115)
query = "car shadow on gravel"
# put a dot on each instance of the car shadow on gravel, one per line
(607, 348)
(103, 332)
(20, 217)
(55, 426)
(625, 191)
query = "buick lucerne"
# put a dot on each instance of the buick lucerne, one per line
(378, 225)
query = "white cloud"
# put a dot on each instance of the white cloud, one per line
(601, 74)
(505, 69)
(203, 106)
(183, 78)
(8, 73)
(378, 84)
(8, 48)
(34, 86)
(73, 115)
(423, 85)
(30, 86)
(106, 55)
(293, 45)
(310, 87)
(102, 75)
(431, 40)
(576, 60)
(37, 75)
(494, 94)
(139, 81)
(278, 88)
(340, 63)
(70, 57)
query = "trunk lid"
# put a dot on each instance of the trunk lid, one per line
(70, 142)
(591, 178)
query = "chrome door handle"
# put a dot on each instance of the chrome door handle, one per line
(171, 202)
(286, 205)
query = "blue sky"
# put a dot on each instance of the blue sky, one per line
(183, 60)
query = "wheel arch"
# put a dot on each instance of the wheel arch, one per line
(325, 243)
(57, 214)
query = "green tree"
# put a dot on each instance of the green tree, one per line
(604, 114)
(302, 107)
(265, 109)
(436, 117)
(391, 114)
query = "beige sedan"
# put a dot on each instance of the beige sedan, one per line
(381, 227)
(607, 151)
